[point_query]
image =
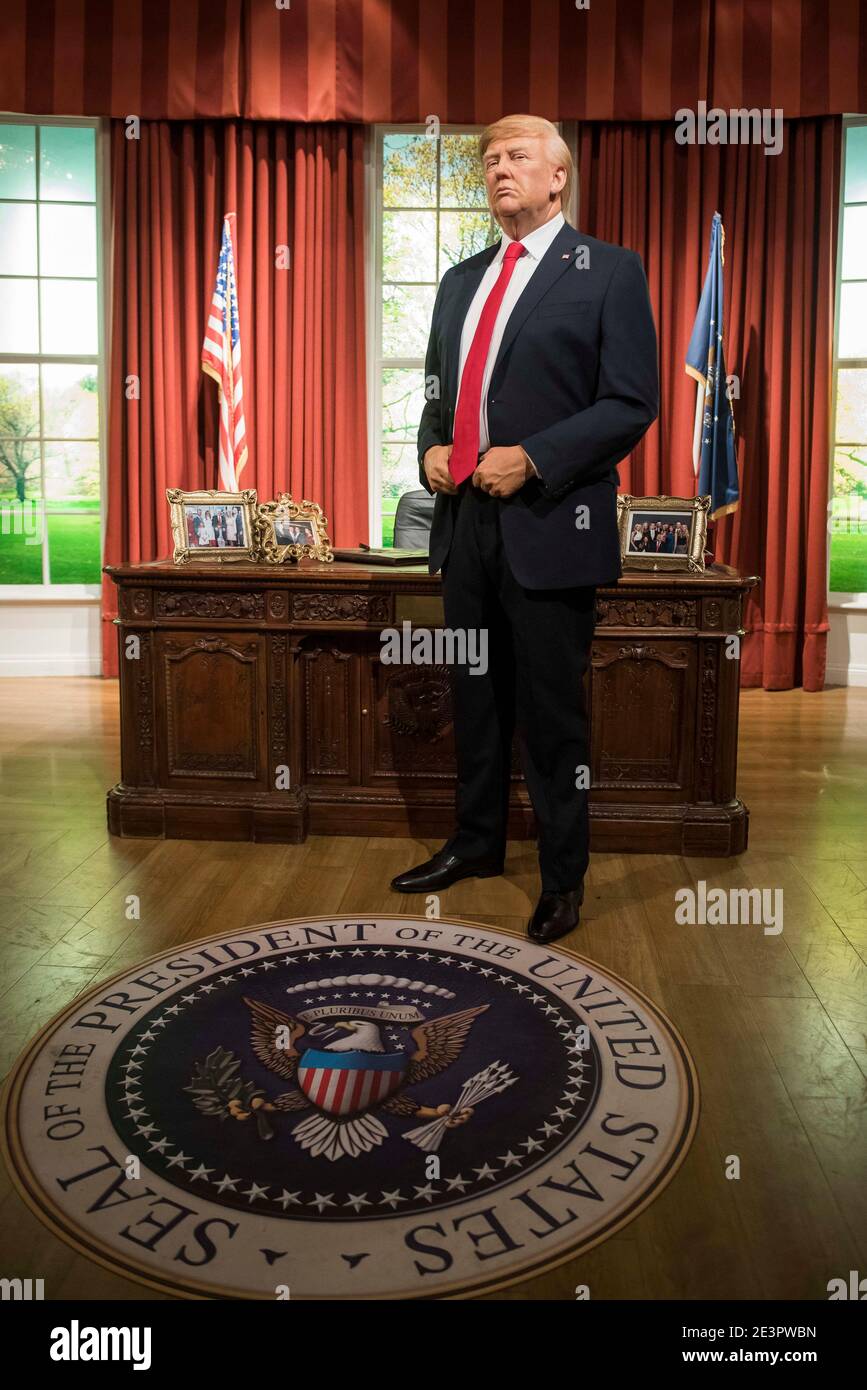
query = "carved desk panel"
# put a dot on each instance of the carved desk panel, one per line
(254, 705)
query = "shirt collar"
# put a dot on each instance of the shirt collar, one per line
(535, 243)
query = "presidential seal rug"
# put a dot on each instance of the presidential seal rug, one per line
(335, 1108)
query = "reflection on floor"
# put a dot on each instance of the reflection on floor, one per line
(777, 1023)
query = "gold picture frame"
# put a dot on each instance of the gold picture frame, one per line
(211, 527)
(288, 531)
(662, 533)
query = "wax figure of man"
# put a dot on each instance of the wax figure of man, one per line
(544, 350)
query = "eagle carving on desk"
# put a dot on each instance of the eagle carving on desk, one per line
(420, 703)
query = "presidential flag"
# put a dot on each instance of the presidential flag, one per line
(221, 359)
(714, 454)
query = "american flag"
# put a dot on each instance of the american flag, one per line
(221, 359)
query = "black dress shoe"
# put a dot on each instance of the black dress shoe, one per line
(556, 915)
(444, 869)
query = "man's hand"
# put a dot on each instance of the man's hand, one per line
(503, 470)
(436, 467)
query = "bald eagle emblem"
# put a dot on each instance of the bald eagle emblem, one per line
(420, 703)
(339, 1070)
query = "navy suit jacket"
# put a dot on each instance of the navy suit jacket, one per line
(575, 382)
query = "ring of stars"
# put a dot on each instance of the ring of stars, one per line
(548, 1135)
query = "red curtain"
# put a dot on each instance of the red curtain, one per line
(295, 188)
(401, 60)
(641, 189)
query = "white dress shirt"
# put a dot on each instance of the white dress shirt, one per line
(535, 245)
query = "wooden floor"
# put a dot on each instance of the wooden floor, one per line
(777, 1024)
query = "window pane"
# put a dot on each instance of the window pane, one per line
(409, 171)
(848, 524)
(67, 240)
(856, 165)
(20, 472)
(72, 476)
(19, 316)
(20, 541)
(462, 234)
(850, 484)
(17, 238)
(74, 548)
(848, 573)
(851, 405)
(18, 161)
(49, 491)
(399, 475)
(69, 316)
(399, 469)
(19, 468)
(70, 401)
(68, 165)
(402, 402)
(462, 183)
(853, 321)
(406, 316)
(72, 507)
(19, 400)
(409, 245)
(854, 266)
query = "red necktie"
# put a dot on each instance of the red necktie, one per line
(465, 450)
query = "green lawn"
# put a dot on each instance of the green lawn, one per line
(74, 549)
(389, 507)
(848, 564)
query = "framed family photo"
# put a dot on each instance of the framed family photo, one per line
(662, 533)
(288, 531)
(212, 527)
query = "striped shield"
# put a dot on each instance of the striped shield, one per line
(343, 1083)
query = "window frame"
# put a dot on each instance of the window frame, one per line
(840, 599)
(57, 592)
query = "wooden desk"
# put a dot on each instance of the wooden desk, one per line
(254, 706)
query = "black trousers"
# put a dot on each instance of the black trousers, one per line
(538, 651)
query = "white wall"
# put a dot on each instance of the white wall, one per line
(50, 636)
(847, 647)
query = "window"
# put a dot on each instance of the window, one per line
(50, 524)
(848, 510)
(431, 211)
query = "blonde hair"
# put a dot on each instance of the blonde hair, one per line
(558, 150)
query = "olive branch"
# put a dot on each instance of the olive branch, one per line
(215, 1082)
